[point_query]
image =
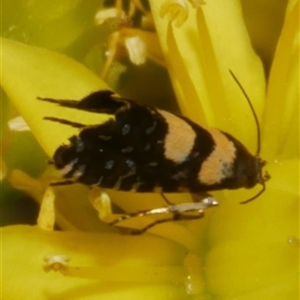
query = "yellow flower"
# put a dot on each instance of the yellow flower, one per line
(249, 252)
(235, 252)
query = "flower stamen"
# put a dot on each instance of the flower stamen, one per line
(46, 218)
(175, 10)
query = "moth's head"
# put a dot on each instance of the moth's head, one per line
(249, 170)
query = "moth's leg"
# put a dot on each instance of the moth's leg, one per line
(147, 212)
(175, 217)
(156, 222)
(166, 199)
(140, 214)
(129, 216)
(180, 212)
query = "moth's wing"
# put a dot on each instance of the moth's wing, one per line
(99, 102)
(136, 130)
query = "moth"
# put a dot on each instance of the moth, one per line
(146, 149)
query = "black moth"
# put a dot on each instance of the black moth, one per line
(145, 149)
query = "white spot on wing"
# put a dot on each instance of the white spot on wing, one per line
(109, 164)
(125, 129)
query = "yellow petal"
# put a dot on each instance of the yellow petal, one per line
(96, 266)
(258, 267)
(199, 54)
(281, 120)
(29, 72)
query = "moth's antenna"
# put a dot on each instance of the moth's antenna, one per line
(253, 112)
(261, 178)
(255, 196)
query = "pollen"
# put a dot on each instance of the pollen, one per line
(101, 203)
(136, 49)
(57, 262)
(18, 124)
